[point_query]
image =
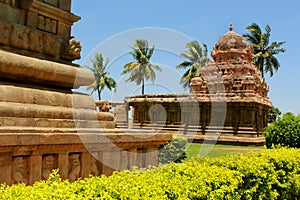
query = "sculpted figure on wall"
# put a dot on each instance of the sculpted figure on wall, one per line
(94, 167)
(74, 166)
(73, 49)
(48, 165)
(19, 170)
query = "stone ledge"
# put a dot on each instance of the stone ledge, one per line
(230, 140)
(11, 136)
(23, 68)
(51, 112)
(18, 93)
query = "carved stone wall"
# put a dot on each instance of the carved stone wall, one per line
(44, 125)
(26, 157)
(39, 28)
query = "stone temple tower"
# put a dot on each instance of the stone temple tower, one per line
(233, 78)
(44, 125)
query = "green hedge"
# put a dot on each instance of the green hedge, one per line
(284, 132)
(173, 151)
(270, 174)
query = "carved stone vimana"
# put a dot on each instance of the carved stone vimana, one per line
(43, 124)
(232, 77)
(228, 102)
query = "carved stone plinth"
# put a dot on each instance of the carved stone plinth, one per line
(44, 125)
(44, 98)
(30, 154)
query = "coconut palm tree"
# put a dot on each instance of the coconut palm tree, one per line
(102, 78)
(264, 54)
(141, 70)
(196, 59)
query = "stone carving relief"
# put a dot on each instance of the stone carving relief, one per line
(95, 167)
(20, 170)
(32, 40)
(104, 106)
(13, 3)
(73, 49)
(47, 24)
(74, 166)
(49, 164)
(36, 42)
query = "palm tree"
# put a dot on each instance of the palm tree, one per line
(273, 114)
(141, 70)
(102, 78)
(196, 59)
(264, 54)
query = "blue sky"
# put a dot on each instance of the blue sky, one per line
(111, 26)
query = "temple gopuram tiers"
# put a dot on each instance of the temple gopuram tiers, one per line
(230, 94)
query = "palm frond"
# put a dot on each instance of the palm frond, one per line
(197, 58)
(264, 54)
(141, 69)
(184, 65)
(100, 73)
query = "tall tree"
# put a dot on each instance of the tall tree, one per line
(196, 59)
(102, 78)
(264, 54)
(142, 69)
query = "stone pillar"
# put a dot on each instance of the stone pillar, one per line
(151, 156)
(111, 161)
(5, 168)
(140, 158)
(35, 165)
(63, 165)
(86, 158)
(132, 157)
(124, 160)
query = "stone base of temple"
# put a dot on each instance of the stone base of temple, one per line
(244, 136)
(29, 154)
(225, 139)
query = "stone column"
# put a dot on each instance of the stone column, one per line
(132, 157)
(35, 166)
(5, 168)
(151, 156)
(63, 165)
(111, 161)
(86, 164)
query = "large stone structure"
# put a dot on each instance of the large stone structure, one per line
(230, 94)
(43, 124)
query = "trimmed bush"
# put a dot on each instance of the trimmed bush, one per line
(284, 132)
(173, 151)
(270, 174)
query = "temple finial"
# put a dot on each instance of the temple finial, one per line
(230, 27)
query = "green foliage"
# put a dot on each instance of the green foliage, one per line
(173, 151)
(142, 69)
(270, 174)
(196, 59)
(102, 78)
(284, 132)
(273, 114)
(264, 54)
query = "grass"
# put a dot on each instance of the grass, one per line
(212, 151)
